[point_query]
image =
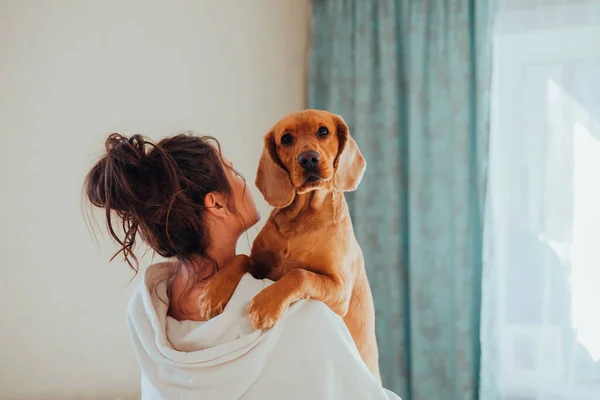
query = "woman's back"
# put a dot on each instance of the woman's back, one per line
(309, 354)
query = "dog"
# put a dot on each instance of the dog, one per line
(307, 245)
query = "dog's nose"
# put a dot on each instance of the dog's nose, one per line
(309, 159)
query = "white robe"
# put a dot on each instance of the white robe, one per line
(308, 354)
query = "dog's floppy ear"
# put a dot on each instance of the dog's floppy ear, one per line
(350, 164)
(272, 179)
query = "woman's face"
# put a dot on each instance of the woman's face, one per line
(242, 198)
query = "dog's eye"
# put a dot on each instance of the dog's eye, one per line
(287, 139)
(323, 131)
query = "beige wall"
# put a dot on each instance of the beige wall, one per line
(71, 72)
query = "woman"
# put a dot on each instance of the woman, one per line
(187, 202)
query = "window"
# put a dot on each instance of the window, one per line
(542, 283)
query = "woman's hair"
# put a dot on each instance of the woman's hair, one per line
(157, 191)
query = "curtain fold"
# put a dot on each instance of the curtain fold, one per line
(411, 79)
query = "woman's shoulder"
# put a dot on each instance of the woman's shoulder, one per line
(157, 273)
(310, 313)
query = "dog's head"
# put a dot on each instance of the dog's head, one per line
(305, 151)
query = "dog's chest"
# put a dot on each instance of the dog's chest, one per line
(283, 253)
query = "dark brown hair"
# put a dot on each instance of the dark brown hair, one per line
(157, 192)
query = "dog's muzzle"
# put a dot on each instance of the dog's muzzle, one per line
(309, 160)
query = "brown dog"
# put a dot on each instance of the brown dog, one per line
(307, 245)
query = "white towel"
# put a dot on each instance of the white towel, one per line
(309, 354)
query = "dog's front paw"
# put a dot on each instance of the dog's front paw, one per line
(214, 298)
(265, 310)
(209, 307)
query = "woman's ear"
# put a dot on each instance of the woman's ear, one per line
(350, 164)
(272, 179)
(216, 204)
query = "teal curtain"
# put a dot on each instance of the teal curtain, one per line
(412, 78)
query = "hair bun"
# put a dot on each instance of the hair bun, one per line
(119, 174)
(126, 150)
